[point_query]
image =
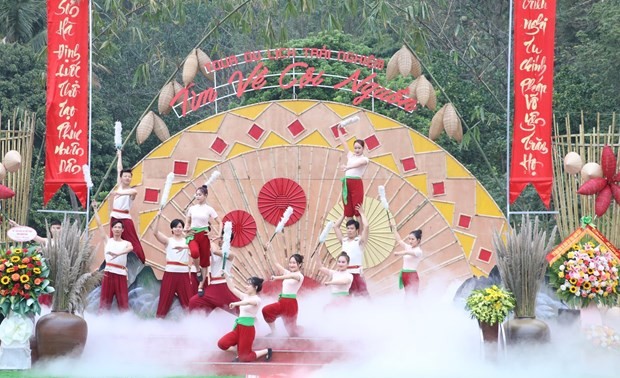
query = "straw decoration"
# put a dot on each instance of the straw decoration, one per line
(166, 192)
(213, 177)
(118, 135)
(285, 217)
(349, 121)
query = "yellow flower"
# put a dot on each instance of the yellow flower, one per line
(24, 278)
(587, 285)
(576, 247)
(603, 249)
(573, 289)
(605, 294)
(22, 266)
(17, 251)
(15, 259)
(570, 255)
(561, 274)
(573, 281)
(590, 270)
(5, 280)
(10, 270)
(36, 270)
(36, 257)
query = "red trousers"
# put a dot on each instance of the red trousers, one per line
(215, 296)
(286, 308)
(243, 337)
(411, 282)
(355, 196)
(171, 284)
(200, 247)
(358, 286)
(194, 282)
(114, 285)
(130, 234)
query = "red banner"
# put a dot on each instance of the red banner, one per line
(534, 30)
(66, 136)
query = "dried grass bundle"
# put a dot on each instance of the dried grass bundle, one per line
(70, 255)
(522, 262)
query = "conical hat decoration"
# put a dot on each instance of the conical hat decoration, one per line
(405, 61)
(591, 170)
(203, 59)
(160, 128)
(2, 172)
(392, 66)
(452, 123)
(12, 161)
(190, 68)
(423, 90)
(572, 163)
(145, 128)
(165, 96)
(436, 124)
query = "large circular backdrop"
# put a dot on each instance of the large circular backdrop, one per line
(270, 154)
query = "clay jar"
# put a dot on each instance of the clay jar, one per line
(59, 334)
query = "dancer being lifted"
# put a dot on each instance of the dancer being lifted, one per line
(197, 223)
(352, 184)
(353, 244)
(114, 283)
(408, 277)
(241, 338)
(122, 198)
(177, 277)
(286, 306)
(217, 294)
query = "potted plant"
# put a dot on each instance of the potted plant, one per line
(522, 264)
(490, 306)
(23, 277)
(69, 254)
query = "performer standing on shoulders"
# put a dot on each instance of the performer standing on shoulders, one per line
(197, 222)
(114, 283)
(122, 198)
(353, 244)
(217, 294)
(286, 306)
(339, 280)
(177, 277)
(408, 278)
(352, 184)
(241, 338)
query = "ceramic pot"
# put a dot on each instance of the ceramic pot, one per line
(59, 334)
(527, 330)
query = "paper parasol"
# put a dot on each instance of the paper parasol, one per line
(244, 227)
(278, 194)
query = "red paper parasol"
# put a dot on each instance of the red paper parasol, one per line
(6, 192)
(278, 194)
(244, 227)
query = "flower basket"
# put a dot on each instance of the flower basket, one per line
(490, 305)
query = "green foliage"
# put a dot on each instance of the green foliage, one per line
(490, 305)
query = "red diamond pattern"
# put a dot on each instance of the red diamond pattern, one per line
(342, 130)
(484, 255)
(372, 142)
(464, 221)
(408, 164)
(439, 188)
(256, 132)
(296, 128)
(219, 145)
(180, 168)
(151, 195)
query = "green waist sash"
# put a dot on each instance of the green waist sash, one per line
(244, 321)
(401, 284)
(196, 231)
(292, 296)
(345, 190)
(341, 294)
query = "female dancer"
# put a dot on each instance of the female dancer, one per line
(412, 255)
(114, 282)
(340, 280)
(217, 294)
(243, 333)
(286, 306)
(197, 222)
(352, 184)
(177, 277)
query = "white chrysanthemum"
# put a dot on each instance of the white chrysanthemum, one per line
(563, 287)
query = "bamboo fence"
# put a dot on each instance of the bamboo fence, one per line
(588, 142)
(17, 134)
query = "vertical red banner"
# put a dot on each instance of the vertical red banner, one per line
(66, 136)
(534, 31)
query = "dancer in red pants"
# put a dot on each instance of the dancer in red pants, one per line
(114, 282)
(217, 294)
(177, 276)
(412, 255)
(197, 222)
(353, 244)
(352, 184)
(241, 338)
(286, 306)
(339, 280)
(122, 198)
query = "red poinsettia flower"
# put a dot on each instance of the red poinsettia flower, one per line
(605, 188)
